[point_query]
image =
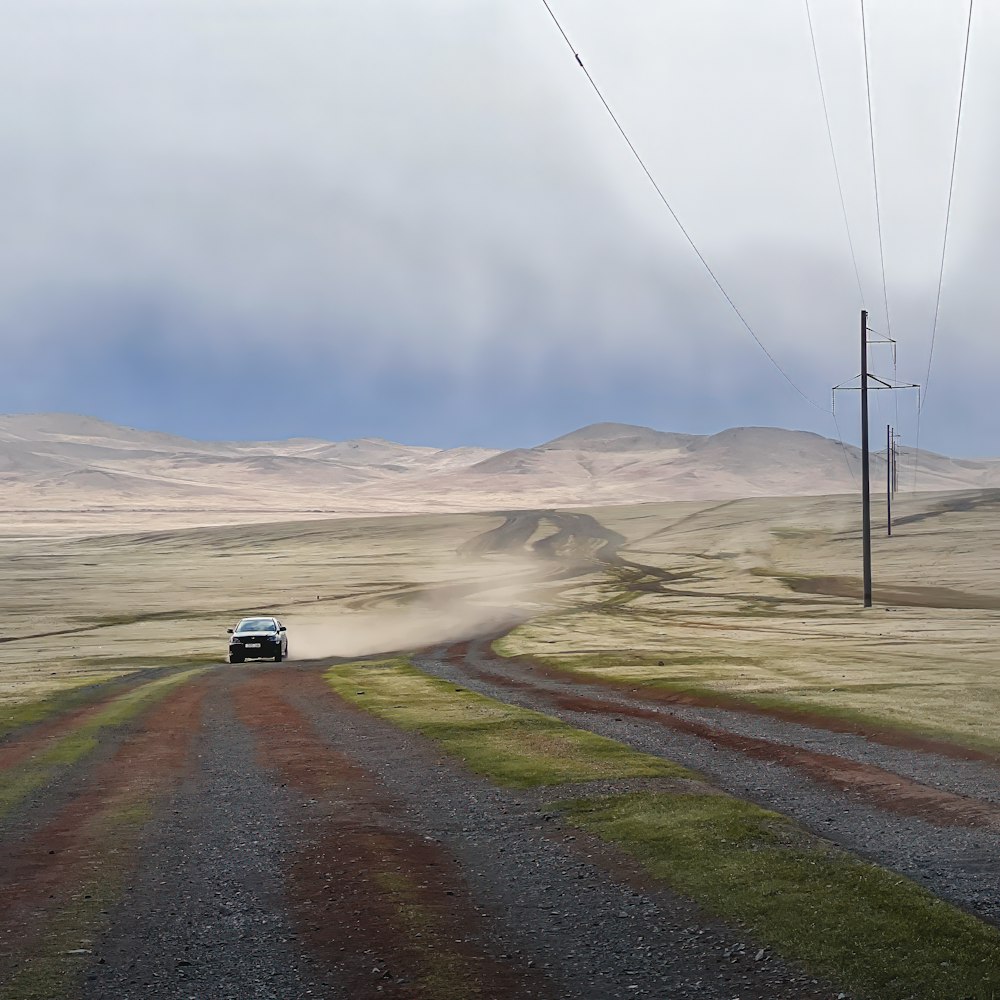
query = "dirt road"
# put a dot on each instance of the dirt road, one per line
(244, 832)
(250, 835)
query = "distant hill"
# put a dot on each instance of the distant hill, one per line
(66, 462)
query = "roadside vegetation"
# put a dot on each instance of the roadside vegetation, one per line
(63, 752)
(26, 713)
(858, 924)
(933, 674)
(842, 917)
(78, 692)
(512, 746)
(53, 960)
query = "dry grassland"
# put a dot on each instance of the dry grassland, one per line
(764, 602)
(756, 598)
(80, 608)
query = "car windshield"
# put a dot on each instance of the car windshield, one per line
(257, 625)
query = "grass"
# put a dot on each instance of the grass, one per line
(42, 768)
(28, 713)
(50, 966)
(150, 662)
(843, 918)
(444, 973)
(710, 677)
(89, 688)
(512, 746)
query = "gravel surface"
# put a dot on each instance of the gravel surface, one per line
(562, 902)
(204, 917)
(956, 863)
(213, 909)
(976, 778)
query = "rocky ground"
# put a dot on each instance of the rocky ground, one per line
(291, 846)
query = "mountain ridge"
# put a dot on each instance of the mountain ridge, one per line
(75, 462)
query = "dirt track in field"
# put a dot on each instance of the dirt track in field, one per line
(880, 787)
(930, 815)
(253, 836)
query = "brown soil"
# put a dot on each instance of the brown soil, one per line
(806, 717)
(882, 788)
(33, 739)
(42, 873)
(387, 908)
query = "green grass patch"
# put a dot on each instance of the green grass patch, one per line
(442, 972)
(593, 660)
(50, 966)
(513, 746)
(133, 618)
(21, 780)
(856, 923)
(28, 713)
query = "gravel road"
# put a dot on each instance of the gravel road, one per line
(263, 872)
(953, 851)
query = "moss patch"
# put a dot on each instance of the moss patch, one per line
(513, 746)
(843, 918)
(52, 964)
(62, 753)
(28, 713)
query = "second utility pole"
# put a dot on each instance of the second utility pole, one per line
(866, 503)
(889, 445)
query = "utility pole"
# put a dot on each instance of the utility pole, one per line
(888, 479)
(864, 382)
(895, 460)
(866, 500)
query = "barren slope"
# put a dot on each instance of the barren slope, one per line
(60, 463)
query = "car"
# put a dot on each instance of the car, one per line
(258, 638)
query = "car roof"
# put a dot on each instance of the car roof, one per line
(254, 618)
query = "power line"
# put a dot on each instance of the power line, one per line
(871, 134)
(951, 191)
(944, 242)
(833, 152)
(673, 214)
(840, 440)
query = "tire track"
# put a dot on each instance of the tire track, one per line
(369, 894)
(946, 837)
(57, 881)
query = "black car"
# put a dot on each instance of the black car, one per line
(258, 639)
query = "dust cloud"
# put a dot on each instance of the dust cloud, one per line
(503, 594)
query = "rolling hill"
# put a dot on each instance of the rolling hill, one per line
(67, 462)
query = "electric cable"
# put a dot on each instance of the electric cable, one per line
(871, 134)
(833, 153)
(673, 214)
(947, 222)
(840, 440)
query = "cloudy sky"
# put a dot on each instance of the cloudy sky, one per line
(413, 219)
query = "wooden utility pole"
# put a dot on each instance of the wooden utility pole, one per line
(866, 500)
(888, 479)
(892, 452)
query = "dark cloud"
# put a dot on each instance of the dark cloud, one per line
(419, 214)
